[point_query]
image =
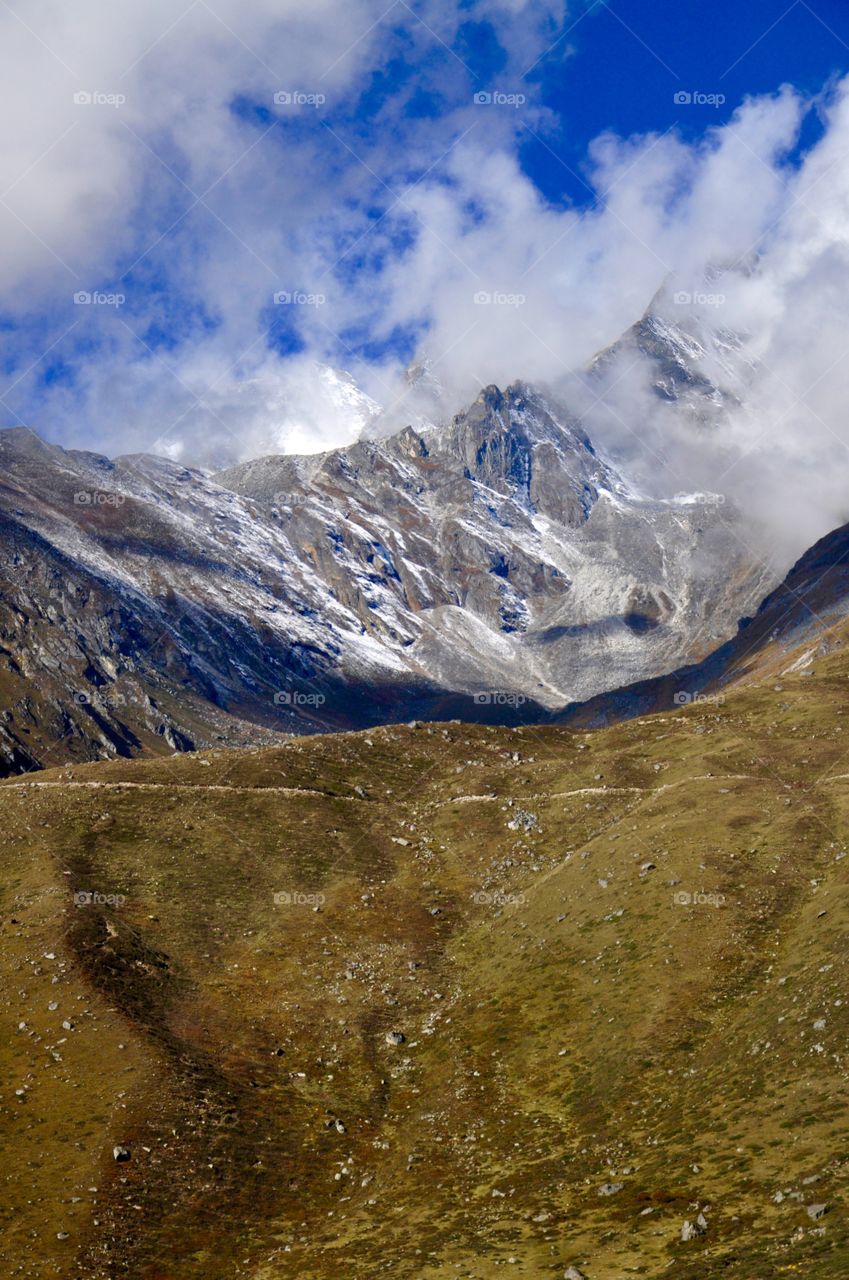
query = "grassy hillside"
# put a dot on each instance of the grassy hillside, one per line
(617, 960)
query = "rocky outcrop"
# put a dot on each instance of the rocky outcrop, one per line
(494, 568)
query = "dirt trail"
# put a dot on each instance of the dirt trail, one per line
(615, 791)
(183, 786)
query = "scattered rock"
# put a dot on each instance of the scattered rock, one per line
(121, 1154)
(523, 821)
(692, 1230)
(395, 1037)
(610, 1188)
(817, 1211)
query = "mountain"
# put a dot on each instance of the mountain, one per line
(143, 606)
(436, 1001)
(692, 362)
(501, 552)
(494, 568)
(804, 619)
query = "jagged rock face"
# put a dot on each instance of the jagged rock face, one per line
(697, 366)
(142, 606)
(804, 619)
(499, 552)
(491, 568)
(90, 668)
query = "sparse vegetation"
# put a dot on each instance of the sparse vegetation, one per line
(349, 1017)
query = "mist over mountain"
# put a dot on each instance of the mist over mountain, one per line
(429, 245)
(496, 566)
(424, 640)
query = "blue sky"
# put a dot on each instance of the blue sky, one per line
(630, 59)
(394, 200)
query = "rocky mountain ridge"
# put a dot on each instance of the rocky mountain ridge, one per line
(796, 626)
(495, 567)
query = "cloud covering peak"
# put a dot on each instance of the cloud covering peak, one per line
(206, 206)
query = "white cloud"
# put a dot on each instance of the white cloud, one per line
(434, 210)
(125, 166)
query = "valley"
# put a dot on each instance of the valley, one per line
(436, 1000)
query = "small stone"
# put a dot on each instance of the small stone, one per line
(572, 1273)
(121, 1154)
(395, 1037)
(817, 1211)
(692, 1230)
(610, 1188)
